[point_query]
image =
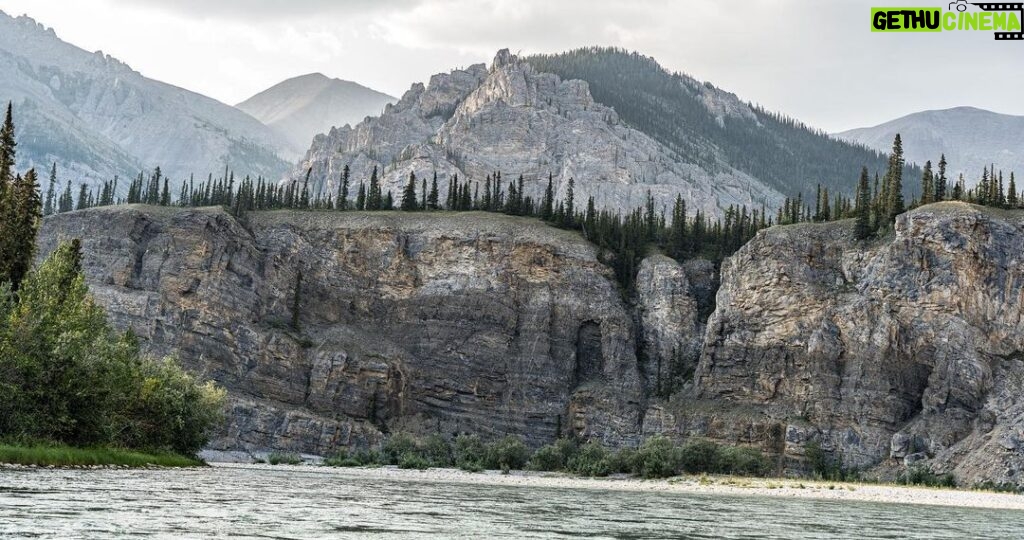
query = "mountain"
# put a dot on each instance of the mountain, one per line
(709, 126)
(96, 117)
(517, 120)
(302, 107)
(971, 139)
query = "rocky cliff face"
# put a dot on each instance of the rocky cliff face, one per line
(907, 349)
(451, 323)
(513, 119)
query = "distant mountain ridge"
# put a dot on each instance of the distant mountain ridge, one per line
(96, 117)
(971, 138)
(305, 106)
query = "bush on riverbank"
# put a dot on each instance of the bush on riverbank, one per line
(657, 457)
(284, 458)
(66, 456)
(922, 476)
(67, 378)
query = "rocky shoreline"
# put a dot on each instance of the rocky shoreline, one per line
(703, 485)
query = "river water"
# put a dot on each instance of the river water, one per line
(312, 502)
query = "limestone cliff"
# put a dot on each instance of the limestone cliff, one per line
(452, 323)
(905, 349)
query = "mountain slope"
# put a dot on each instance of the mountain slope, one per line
(519, 121)
(971, 139)
(97, 117)
(302, 107)
(708, 126)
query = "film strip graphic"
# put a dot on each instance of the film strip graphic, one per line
(1004, 6)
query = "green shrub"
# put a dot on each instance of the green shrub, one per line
(469, 453)
(341, 459)
(509, 452)
(591, 460)
(438, 451)
(920, 475)
(413, 460)
(624, 461)
(367, 458)
(553, 457)
(171, 409)
(657, 458)
(396, 447)
(744, 461)
(701, 456)
(826, 466)
(284, 458)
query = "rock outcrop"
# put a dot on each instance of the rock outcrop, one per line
(902, 350)
(515, 120)
(330, 329)
(464, 322)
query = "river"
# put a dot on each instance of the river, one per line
(314, 502)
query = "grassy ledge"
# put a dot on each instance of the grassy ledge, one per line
(66, 456)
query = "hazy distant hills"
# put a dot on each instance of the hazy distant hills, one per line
(96, 117)
(302, 107)
(971, 139)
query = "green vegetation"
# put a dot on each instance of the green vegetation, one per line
(922, 476)
(825, 466)
(284, 458)
(65, 376)
(658, 457)
(67, 456)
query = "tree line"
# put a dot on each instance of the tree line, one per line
(625, 239)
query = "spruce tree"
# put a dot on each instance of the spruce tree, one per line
(927, 184)
(49, 206)
(7, 154)
(862, 227)
(409, 195)
(342, 203)
(432, 202)
(361, 197)
(373, 197)
(423, 194)
(548, 205)
(1011, 192)
(940, 182)
(570, 215)
(20, 232)
(894, 181)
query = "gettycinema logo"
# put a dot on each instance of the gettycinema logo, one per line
(1004, 19)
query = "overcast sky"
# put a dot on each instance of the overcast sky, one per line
(815, 60)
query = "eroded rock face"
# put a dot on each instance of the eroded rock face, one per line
(905, 348)
(512, 119)
(903, 351)
(669, 321)
(465, 322)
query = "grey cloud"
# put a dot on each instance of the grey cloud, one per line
(262, 10)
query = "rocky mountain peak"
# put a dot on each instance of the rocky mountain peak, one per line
(502, 59)
(519, 121)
